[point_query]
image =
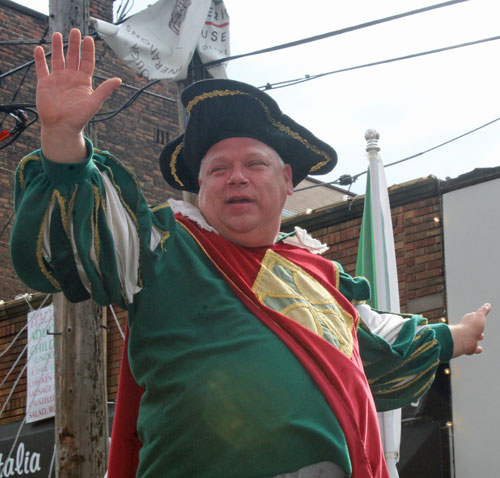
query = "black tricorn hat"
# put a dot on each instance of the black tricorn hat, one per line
(219, 109)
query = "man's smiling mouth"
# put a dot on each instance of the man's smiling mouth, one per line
(239, 200)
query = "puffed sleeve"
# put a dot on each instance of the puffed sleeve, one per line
(84, 228)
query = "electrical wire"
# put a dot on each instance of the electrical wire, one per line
(14, 96)
(103, 116)
(333, 33)
(3, 352)
(7, 375)
(29, 63)
(106, 115)
(284, 84)
(117, 322)
(347, 179)
(17, 111)
(123, 11)
(277, 47)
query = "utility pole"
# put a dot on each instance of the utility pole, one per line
(81, 398)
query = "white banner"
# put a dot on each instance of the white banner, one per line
(40, 398)
(159, 42)
(214, 40)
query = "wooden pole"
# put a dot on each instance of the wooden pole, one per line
(81, 398)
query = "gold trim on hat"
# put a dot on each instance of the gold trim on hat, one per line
(275, 123)
(173, 161)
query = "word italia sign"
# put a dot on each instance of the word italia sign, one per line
(22, 462)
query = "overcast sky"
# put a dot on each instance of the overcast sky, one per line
(414, 104)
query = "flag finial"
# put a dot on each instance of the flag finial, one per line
(372, 137)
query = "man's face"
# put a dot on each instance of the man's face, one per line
(243, 187)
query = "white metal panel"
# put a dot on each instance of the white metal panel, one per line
(472, 261)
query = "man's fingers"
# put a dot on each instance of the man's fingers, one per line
(485, 309)
(73, 53)
(104, 90)
(57, 52)
(88, 56)
(42, 70)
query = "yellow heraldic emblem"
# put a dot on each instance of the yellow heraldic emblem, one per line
(286, 288)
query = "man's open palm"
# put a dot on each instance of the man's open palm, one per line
(66, 101)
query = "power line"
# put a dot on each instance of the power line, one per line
(106, 115)
(270, 49)
(17, 111)
(333, 33)
(29, 63)
(124, 9)
(284, 84)
(347, 179)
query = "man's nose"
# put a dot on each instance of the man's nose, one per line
(237, 175)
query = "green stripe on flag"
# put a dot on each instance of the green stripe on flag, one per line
(365, 264)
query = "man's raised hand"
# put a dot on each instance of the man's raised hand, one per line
(65, 99)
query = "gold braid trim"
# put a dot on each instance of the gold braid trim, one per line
(212, 94)
(407, 383)
(165, 238)
(276, 124)
(158, 207)
(419, 351)
(95, 227)
(64, 212)
(336, 268)
(39, 247)
(173, 163)
(165, 234)
(72, 199)
(23, 164)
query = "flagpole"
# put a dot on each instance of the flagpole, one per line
(377, 262)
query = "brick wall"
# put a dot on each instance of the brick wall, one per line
(136, 135)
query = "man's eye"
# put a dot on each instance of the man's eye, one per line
(217, 169)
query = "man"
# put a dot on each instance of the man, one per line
(244, 343)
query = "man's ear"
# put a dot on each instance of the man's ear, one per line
(287, 172)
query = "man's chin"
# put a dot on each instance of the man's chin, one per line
(248, 236)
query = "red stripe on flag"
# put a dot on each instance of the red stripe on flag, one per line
(222, 25)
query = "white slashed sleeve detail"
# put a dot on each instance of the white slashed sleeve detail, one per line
(386, 326)
(125, 238)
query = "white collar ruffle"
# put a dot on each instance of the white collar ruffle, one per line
(301, 238)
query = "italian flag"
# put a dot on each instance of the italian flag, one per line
(377, 262)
